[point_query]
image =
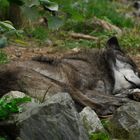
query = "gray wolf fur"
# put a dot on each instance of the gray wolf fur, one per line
(103, 79)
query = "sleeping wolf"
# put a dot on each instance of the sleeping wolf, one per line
(100, 78)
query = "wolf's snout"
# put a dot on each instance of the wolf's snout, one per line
(133, 80)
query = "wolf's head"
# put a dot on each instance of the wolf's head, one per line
(124, 71)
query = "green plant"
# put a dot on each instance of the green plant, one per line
(18, 2)
(99, 136)
(105, 123)
(107, 10)
(9, 106)
(7, 29)
(35, 9)
(81, 10)
(3, 57)
(3, 8)
(131, 39)
(40, 33)
(2, 138)
(6, 26)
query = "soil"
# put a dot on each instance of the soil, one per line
(16, 53)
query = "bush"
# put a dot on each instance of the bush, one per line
(99, 136)
(39, 33)
(9, 106)
(81, 10)
(3, 57)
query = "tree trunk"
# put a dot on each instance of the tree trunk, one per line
(15, 15)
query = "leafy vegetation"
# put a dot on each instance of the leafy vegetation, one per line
(36, 21)
(9, 106)
(58, 17)
(99, 136)
(39, 33)
(3, 57)
(2, 138)
(82, 10)
(130, 38)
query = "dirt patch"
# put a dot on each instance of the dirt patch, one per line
(16, 53)
(136, 59)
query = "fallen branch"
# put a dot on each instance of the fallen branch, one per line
(106, 25)
(82, 36)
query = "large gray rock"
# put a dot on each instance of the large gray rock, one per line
(125, 123)
(56, 119)
(91, 121)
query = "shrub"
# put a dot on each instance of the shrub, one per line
(9, 106)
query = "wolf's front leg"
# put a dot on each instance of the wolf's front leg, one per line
(133, 94)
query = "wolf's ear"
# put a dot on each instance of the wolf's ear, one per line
(113, 43)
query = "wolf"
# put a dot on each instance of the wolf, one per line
(103, 79)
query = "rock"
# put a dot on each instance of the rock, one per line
(125, 123)
(90, 120)
(15, 94)
(76, 49)
(18, 94)
(55, 119)
(48, 42)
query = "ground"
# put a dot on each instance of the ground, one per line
(16, 53)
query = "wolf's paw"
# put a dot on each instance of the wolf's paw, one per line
(135, 94)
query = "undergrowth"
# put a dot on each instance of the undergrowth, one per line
(39, 33)
(131, 38)
(9, 106)
(103, 9)
(99, 136)
(3, 57)
(2, 138)
(78, 18)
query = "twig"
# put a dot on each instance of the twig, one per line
(82, 36)
(46, 93)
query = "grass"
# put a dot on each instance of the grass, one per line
(103, 9)
(107, 10)
(3, 57)
(131, 38)
(2, 138)
(78, 18)
(39, 33)
(99, 136)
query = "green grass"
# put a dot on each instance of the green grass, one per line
(99, 136)
(131, 39)
(39, 33)
(107, 10)
(78, 12)
(79, 16)
(3, 57)
(70, 44)
(2, 138)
